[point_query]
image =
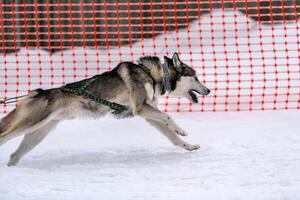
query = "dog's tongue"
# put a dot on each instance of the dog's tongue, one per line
(194, 96)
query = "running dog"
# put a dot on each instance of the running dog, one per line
(126, 91)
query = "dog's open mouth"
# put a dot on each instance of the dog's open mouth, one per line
(193, 94)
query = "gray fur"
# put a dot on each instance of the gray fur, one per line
(127, 84)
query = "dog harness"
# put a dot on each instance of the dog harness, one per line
(118, 108)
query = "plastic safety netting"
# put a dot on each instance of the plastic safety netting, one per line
(246, 52)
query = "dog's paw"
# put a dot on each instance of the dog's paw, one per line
(13, 160)
(191, 147)
(11, 163)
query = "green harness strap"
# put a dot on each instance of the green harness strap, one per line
(118, 108)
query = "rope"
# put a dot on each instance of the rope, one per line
(12, 100)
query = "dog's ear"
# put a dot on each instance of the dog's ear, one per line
(176, 60)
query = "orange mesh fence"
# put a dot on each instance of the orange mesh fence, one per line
(246, 52)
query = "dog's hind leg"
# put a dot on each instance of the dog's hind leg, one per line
(21, 127)
(5, 125)
(30, 141)
(29, 115)
(174, 138)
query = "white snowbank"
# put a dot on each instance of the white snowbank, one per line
(224, 48)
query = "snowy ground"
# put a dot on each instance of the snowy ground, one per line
(243, 155)
(247, 155)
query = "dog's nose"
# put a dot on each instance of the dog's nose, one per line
(207, 91)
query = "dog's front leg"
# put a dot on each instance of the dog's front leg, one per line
(149, 112)
(172, 136)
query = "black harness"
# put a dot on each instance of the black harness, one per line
(118, 108)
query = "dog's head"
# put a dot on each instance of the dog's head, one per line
(187, 83)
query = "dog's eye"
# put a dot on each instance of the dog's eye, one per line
(196, 79)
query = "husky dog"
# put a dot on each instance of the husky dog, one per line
(129, 89)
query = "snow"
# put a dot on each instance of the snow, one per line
(243, 155)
